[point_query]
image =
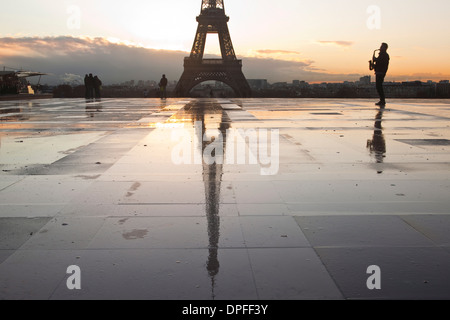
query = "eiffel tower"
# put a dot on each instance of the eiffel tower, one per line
(212, 19)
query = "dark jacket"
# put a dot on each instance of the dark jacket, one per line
(163, 82)
(97, 82)
(382, 63)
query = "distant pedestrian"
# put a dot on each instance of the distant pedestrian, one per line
(381, 66)
(86, 85)
(97, 87)
(163, 87)
(90, 87)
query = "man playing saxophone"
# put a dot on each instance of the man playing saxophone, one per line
(381, 65)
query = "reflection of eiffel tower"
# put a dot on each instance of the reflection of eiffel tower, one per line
(212, 117)
(212, 19)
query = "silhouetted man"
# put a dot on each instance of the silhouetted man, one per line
(97, 87)
(90, 86)
(381, 68)
(163, 86)
(86, 85)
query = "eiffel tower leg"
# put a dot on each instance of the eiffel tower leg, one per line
(183, 86)
(228, 70)
(198, 48)
(226, 46)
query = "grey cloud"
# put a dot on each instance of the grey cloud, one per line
(115, 63)
(112, 62)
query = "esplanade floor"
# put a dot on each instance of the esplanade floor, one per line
(243, 199)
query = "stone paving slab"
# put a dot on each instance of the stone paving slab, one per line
(408, 273)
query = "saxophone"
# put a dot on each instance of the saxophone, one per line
(372, 62)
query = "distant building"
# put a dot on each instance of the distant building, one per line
(364, 80)
(300, 84)
(257, 84)
(443, 89)
(280, 85)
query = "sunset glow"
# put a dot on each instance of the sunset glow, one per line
(327, 37)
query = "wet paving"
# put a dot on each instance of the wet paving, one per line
(241, 199)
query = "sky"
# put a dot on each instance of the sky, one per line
(284, 40)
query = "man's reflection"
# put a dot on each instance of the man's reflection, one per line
(377, 145)
(92, 108)
(163, 104)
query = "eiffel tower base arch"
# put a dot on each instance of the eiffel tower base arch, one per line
(198, 71)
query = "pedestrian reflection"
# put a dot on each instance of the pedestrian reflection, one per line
(92, 108)
(163, 104)
(377, 145)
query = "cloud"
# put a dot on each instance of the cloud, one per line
(73, 79)
(67, 59)
(268, 51)
(113, 62)
(49, 46)
(418, 76)
(276, 70)
(337, 43)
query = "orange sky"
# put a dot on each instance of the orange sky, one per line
(333, 37)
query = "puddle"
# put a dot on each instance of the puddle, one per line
(86, 177)
(135, 234)
(425, 142)
(132, 189)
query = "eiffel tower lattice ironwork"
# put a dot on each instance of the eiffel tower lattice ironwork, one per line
(212, 19)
